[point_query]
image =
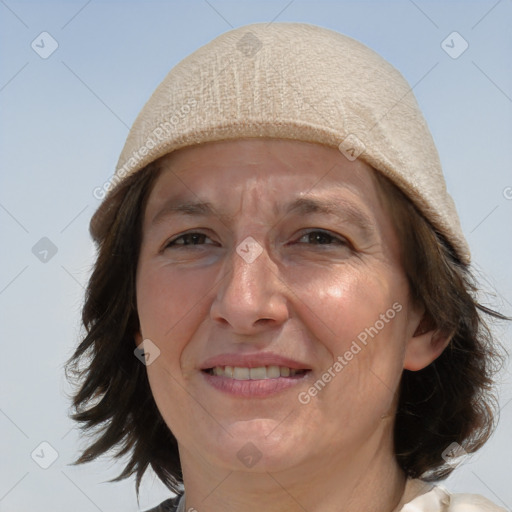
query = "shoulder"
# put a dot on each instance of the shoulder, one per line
(438, 499)
(472, 503)
(170, 505)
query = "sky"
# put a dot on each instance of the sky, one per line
(75, 74)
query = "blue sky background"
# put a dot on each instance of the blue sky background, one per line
(63, 123)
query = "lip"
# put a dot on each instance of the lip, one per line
(253, 388)
(254, 360)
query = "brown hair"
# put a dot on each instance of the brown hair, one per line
(449, 401)
(452, 399)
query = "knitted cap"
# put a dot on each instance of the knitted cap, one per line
(292, 81)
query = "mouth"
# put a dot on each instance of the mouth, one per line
(255, 373)
(251, 376)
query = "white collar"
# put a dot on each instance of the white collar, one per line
(420, 496)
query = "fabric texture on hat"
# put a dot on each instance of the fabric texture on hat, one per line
(292, 81)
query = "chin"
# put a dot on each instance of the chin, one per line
(256, 445)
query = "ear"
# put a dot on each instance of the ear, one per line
(425, 346)
(138, 338)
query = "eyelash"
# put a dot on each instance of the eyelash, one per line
(341, 241)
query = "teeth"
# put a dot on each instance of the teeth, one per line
(273, 372)
(240, 373)
(259, 373)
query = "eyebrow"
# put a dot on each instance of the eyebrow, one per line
(342, 209)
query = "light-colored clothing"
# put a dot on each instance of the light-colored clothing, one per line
(423, 497)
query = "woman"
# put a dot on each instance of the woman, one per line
(281, 316)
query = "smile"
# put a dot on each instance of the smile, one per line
(258, 373)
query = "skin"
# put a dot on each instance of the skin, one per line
(300, 299)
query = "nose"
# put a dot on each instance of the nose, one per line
(252, 294)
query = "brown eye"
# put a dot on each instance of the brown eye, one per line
(323, 238)
(186, 239)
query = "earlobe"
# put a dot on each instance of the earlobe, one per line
(138, 338)
(424, 347)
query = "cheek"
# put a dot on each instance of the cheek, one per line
(170, 306)
(341, 305)
(165, 297)
(359, 319)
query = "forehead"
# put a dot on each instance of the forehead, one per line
(267, 166)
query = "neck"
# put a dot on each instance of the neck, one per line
(367, 481)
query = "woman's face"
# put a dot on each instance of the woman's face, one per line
(270, 287)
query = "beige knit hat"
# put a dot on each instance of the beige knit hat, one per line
(292, 81)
